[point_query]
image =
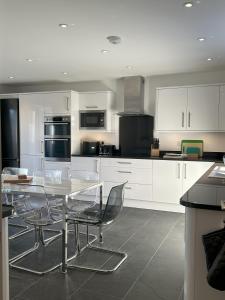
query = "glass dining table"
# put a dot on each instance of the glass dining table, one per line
(66, 189)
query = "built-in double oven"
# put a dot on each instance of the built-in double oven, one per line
(57, 138)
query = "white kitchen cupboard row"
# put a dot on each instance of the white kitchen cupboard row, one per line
(194, 108)
(156, 184)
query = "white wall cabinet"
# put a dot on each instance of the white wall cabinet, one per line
(203, 108)
(96, 100)
(56, 103)
(171, 179)
(222, 109)
(99, 101)
(194, 108)
(171, 109)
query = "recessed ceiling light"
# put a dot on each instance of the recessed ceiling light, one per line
(209, 58)
(188, 4)
(29, 59)
(63, 25)
(114, 39)
(65, 73)
(129, 67)
(201, 39)
(11, 77)
(104, 51)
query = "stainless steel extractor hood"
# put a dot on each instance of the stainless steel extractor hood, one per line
(133, 96)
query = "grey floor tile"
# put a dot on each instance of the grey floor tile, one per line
(91, 295)
(56, 286)
(20, 281)
(144, 275)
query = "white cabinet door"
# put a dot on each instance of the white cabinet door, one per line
(31, 124)
(167, 181)
(222, 109)
(58, 103)
(32, 162)
(171, 108)
(95, 100)
(91, 164)
(65, 167)
(203, 108)
(192, 171)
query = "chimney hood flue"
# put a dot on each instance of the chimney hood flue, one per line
(133, 96)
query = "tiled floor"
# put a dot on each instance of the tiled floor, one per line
(154, 241)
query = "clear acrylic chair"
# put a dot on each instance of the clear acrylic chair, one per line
(33, 207)
(94, 216)
(9, 199)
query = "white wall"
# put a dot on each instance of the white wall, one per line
(168, 141)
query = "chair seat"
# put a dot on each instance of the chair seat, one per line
(90, 215)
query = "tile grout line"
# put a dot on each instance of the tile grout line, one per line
(149, 262)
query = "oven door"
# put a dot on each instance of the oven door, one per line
(57, 129)
(57, 149)
(92, 119)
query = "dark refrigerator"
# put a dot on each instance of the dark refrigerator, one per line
(136, 135)
(10, 132)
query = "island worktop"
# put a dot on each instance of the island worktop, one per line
(204, 213)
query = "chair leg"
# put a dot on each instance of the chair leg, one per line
(100, 234)
(24, 229)
(122, 255)
(39, 240)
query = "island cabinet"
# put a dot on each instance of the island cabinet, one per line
(171, 179)
(192, 108)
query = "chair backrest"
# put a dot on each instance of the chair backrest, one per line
(15, 171)
(114, 204)
(29, 198)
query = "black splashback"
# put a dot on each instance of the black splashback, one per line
(135, 135)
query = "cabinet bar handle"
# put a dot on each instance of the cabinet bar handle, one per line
(127, 172)
(182, 119)
(189, 119)
(42, 146)
(128, 188)
(91, 106)
(178, 170)
(97, 166)
(124, 163)
(185, 171)
(67, 103)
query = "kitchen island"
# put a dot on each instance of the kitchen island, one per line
(6, 212)
(204, 213)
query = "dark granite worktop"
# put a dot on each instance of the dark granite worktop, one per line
(6, 211)
(208, 156)
(206, 193)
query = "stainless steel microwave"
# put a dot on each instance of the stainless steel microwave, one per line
(92, 119)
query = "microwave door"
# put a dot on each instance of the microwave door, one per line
(92, 120)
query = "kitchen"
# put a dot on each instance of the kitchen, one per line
(56, 120)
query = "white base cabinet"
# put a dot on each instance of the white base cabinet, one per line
(64, 167)
(32, 162)
(171, 179)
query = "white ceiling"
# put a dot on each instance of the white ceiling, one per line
(158, 37)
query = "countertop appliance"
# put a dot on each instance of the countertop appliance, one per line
(92, 119)
(193, 148)
(90, 148)
(136, 135)
(57, 138)
(10, 132)
(106, 150)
